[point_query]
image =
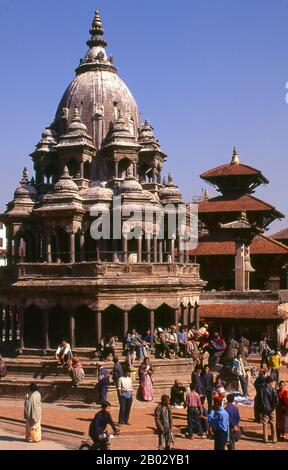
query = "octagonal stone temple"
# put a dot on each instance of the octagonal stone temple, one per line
(62, 282)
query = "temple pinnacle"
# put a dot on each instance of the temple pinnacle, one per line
(96, 32)
(235, 159)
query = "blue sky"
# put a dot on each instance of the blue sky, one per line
(208, 74)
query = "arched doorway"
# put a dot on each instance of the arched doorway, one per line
(138, 318)
(112, 322)
(58, 326)
(33, 327)
(164, 316)
(85, 327)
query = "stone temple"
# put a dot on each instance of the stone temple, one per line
(62, 282)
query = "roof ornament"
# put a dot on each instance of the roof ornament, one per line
(25, 176)
(96, 32)
(235, 159)
(170, 178)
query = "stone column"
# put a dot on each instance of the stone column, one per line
(190, 315)
(152, 325)
(9, 249)
(82, 246)
(139, 249)
(46, 342)
(116, 169)
(196, 315)
(115, 251)
(135, 169)
(154, 174)
(185, 315)
(48, 248)
(160, 251)
(240, 267)
(82, 170)
(148, 249)
(71, 247)
(172, 249)
(155, 241)
(125, 323)
(176, 317)
(125, 249)
(186, 256)
(16, 249)
(98, 327)
(58, 248)
(72, 330)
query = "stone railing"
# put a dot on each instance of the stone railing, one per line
(94, 269)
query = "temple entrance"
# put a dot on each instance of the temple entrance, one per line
(113, 322)
(85, 327)
(33, 327)
(164, 316)
(58, 326)
(138, 318)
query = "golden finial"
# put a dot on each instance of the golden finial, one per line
(235, 159)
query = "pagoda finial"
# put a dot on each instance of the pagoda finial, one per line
(170, 177)
(65, 173)
(96, 32)
(25, 176)
(235, 159)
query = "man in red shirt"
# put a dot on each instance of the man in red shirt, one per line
(194, 410)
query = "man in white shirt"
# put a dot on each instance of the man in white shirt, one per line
(125, 389)
(63, 352)
(172, 340)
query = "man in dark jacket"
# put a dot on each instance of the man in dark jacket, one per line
(164, 423)
(177, 394)
(208, 383)
(196, 381)
(258, 384)
(268, 405)
(100, 423)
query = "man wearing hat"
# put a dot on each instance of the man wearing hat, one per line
(99, 424)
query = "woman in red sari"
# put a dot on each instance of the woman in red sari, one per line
(145, 380)
(282, 411)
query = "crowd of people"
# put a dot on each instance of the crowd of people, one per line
(209, 400)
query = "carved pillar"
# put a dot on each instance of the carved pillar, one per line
(176, 317)
(98, 327)
(72, 330)
(185, 315)
(71, 246)
(152, 325)
(148, 249)
(125, 249)
(9, 248)
(46, 342)
(186, 256)
(82, 170)
(172, 249)
(125, 324)
(135, 169)
(58, 248)
(116, 169)
(196, 315)
(82, 246)
(155, 241)
(240, 267)
(48, 248)
(154, 174)
(190, 315)
(160, 251)
(139, 249)
(115, 250)
(16, 248)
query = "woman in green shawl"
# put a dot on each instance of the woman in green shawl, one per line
(32, 414)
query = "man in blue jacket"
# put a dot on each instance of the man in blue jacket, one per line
(218, 419)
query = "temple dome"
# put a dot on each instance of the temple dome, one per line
(98, 92)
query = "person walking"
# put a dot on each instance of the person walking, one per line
(234, 422)
(218, 419)
(275, 364)
(103, 381)
(164, 423)
(208, 385)
(125, 387)
(32, 414)
(268, 404)
(240, 372)
(145, 380)
(264, 351)
(194, 411)
(197, 382)
(258, 384)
